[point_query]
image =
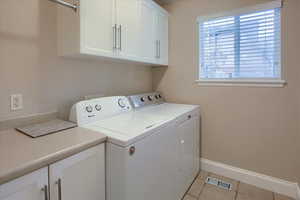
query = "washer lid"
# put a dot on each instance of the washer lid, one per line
(129, 127)
(169, 110)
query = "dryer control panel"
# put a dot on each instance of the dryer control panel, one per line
(142, 100)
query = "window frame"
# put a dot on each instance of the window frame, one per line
(256, 82)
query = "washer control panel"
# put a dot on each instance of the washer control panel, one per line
(92, 110)
(146, 99)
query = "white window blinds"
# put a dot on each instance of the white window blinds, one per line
(241, 47)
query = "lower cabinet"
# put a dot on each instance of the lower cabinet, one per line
(81, 176)
(32, 186)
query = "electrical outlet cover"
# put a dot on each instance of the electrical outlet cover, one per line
(16, 102)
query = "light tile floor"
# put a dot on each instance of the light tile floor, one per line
(240, 191)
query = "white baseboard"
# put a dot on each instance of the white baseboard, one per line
(260, 180)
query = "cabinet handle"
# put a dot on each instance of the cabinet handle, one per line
(158, 48)
(120, 37)
(58, 182)
(45, 190)
(156, 44)
(115, 36)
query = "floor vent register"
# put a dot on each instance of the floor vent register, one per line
(218, 183)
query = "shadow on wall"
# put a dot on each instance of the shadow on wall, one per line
(158, 75)
(30, 65)
(19, 53)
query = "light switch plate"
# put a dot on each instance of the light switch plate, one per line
(16, 102)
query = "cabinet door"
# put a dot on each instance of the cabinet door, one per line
(79, 177)
(127, 20)
(33, 186)
(97, 21)
(147, 32)
(163, 37)
(187, 131)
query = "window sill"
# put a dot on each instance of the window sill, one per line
(242, 83)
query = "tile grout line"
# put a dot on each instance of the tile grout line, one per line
(237, 190)
(202, 189)
(194, 196)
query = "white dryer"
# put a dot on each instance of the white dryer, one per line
(140, 157)
(187, 129)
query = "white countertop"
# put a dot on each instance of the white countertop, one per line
(20, 154)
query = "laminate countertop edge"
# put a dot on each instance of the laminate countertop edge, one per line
(48, 159)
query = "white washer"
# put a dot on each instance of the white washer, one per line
(146, 156)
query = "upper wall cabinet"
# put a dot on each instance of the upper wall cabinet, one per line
(162, 37)
(153, 33)
(133, 30)
(147, 29)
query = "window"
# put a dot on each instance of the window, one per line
(241, 48)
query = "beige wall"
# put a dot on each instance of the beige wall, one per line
(29, 64)
(251, 128)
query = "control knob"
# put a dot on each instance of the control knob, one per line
(143, 99)
(150, 98)
(98, 107)
(122, 103)
(89, 109)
